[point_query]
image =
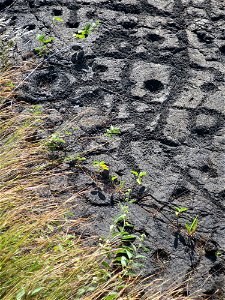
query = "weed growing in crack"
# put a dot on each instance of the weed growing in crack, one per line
(45, 42)
(113, 131)
(180, 210)
(192, 227)
(128, 197)
(55, 142)
(74, 159)
(127, 255)
(114, 178)
(119, 184)
(87, 30)
(80, 158)
(101, 165)
(218, 253)
(57, 19)
(139, 176)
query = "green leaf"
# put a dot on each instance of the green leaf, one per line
(87, 28)
(129, 254)
(81, 158)
(40, 37)
(194, 224)
(121, 251)
(128, 237)
(58, 19)
(105, 264)
(139, 180)
(10, 84)
(140, 256)
(113, 178)
(103, 165)
(36, 291)
(191, 228)
(79, 35)
(20, 295)
(123, 261)
(180, 209)
(134, 172)
(120, 218)
(218, 253)
(48, 40)
(142, 174)
(112, 131)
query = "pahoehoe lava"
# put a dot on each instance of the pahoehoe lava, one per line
(155, 69)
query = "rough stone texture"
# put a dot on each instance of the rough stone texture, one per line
(156, 69)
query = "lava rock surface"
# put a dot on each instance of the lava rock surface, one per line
(156, 70)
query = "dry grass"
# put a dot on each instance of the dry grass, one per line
(39, 259)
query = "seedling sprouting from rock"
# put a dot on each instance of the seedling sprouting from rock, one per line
(57, 19)
(127, 254)
(45, 40)
(139, 175)
(113, 131)
(128, 197)
(101, 165)
(71, 159)
(192, 227)
(119, 184)
(55, 142)
(180, 210)
(43, 49)
(114, 178)
(87, 30)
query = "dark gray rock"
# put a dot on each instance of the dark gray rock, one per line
(155, 69)
(99, 197)
(205, 124)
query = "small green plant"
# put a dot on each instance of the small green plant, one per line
(113, 131)
(55, 142)
(128, 197)
(74, 158)
(57, 19)
(180, 210)
(114, 178)
(139, 176)
(45, 41)
(80, 158)
(9, 84)
(192, 227)
(101, 165)
(129, 244)
(117, 182)
(218, 253)
(87, 30)
(36, 109)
